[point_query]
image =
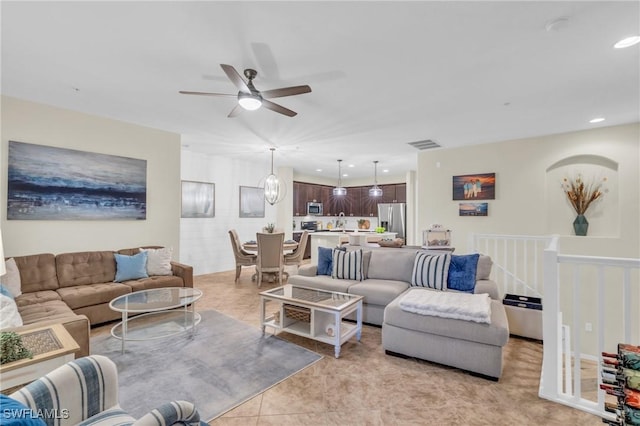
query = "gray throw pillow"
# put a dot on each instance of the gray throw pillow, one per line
(484, 267)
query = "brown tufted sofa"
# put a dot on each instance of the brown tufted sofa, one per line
(75, 289)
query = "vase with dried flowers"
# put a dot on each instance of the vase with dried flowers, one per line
(581, 194)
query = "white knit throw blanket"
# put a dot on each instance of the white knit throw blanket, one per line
(446, 304)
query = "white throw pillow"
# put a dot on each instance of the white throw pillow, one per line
(431, 271)
(159, 261)
(9, 315)
(11, 280)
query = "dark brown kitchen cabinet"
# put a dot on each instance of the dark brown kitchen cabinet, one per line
(368, 205)
(401, 193)
(357, 202)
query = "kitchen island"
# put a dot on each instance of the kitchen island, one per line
(335, 238)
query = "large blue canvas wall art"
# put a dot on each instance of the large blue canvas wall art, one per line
(50, 183)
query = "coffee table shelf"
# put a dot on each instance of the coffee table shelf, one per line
(324, 309)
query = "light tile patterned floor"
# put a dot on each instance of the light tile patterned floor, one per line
(366, 387)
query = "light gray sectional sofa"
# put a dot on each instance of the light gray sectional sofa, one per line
(471, 346)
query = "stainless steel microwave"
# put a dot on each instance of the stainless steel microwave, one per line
(314, 208)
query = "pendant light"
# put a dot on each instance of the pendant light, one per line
(376, 191)
(273, 188)
(339, 191)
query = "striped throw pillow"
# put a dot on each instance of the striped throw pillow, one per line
(347, 265)
(431, 271)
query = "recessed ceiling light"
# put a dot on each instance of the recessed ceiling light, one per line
(351, 165)
(596, 120)
(345, 175)
(385, 171)
(627, 42)
(318, 170)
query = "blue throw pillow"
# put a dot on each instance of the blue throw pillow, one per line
(15, 413)
(131, 267)
(462, 272)
(5, 291)
(325, 261)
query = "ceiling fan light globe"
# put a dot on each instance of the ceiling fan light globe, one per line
(376, 191)
(249, 101)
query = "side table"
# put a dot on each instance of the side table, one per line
(52, 346)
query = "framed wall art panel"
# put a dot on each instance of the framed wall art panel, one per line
(473, 209)
(251, 201)
(50, 183)
(474, 187)
(198, 199)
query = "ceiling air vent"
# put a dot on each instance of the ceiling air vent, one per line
(426, 144)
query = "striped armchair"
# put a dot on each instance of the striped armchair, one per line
(85, 392)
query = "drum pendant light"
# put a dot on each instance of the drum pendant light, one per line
(376, 191)
(339, 191)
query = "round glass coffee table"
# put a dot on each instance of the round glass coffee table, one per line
(156, 313)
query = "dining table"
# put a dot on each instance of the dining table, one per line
(252, 246)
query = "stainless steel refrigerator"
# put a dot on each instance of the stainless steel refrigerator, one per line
(393, 217)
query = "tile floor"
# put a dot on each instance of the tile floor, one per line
(366, 387)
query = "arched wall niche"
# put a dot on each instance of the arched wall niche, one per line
(596, 160)
(603, 215)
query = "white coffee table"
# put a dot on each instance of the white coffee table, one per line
(158, 316)
(311, 313)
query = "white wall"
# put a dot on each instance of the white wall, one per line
(204, 242)
(529, 200)
(40, 124)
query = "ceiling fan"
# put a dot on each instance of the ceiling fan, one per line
(249, 97)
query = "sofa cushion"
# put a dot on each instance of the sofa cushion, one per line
(131, 267)
(347, 265)
(37, 272)
(496, 333)
(88, 267)
(462, 272)
(378, 292)
(47, 311)
(92, 294)
(11, 279)
(156, 281)
(37, 297)
(431, 271)
(484, 267)
(322, 282)
(158, 261)
(388, 264)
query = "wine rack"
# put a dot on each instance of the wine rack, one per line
(621, 378)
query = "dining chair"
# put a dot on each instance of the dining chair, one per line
(243, 258)
(270, 255)
(295, 258)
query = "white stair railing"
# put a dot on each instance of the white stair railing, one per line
(567, 281)
(517, 261)
(603, 288)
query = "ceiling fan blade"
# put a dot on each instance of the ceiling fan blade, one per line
(278, 108)
(185, 92)
(235, 78)
(285, 91)
(235, 111)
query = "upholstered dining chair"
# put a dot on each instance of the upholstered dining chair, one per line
(296, 257)
(243, 258)
(270, 255)
(85, 391)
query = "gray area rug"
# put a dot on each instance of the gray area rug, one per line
(223, 365)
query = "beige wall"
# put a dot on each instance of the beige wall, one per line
(529, 200)
(44, 125)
